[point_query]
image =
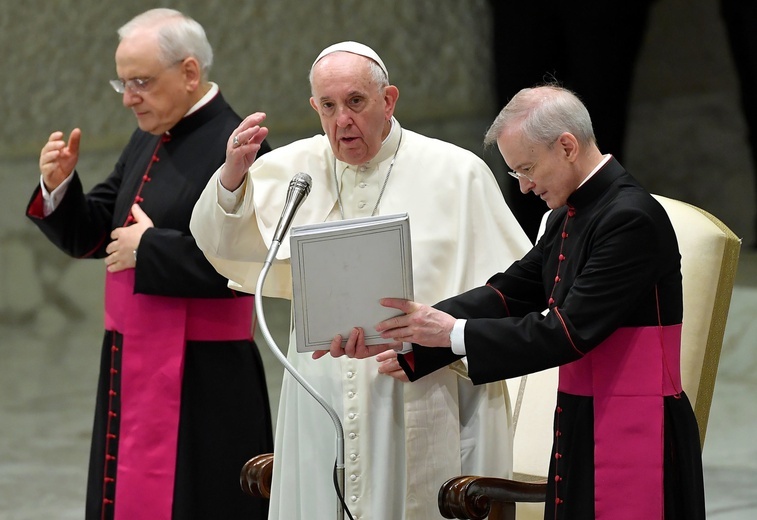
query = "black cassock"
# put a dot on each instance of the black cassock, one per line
(607, 262)
(224, 414)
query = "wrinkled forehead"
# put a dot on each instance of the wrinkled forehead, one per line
(344, 74)
(139, 52)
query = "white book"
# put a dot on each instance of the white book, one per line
(340, 271)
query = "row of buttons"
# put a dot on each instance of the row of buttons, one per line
(351, 416)
(109, 470)
(558, 456)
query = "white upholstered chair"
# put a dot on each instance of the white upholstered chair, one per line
(709, 256)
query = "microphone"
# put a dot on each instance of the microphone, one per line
(299, 188)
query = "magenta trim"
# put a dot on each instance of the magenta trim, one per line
(155, 330)
(628, 375)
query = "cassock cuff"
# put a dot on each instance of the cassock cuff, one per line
(52, 198)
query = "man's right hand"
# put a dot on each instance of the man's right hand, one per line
(241, 149)
(57, 159)
(355, 346)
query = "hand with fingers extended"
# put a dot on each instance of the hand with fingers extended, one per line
(58, 159)
(242, 149)
(419, 324)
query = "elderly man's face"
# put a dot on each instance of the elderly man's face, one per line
(354, 113)
(166, 96)
(546, 170)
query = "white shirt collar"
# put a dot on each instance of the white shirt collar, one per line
(204, 100)
(598, 167)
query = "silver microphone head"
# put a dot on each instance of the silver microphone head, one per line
(299, 188)
(301, 181)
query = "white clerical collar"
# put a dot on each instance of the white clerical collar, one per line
(598, 167)
(389, 144)
(204, 100)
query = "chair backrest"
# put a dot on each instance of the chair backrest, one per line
(709, 257)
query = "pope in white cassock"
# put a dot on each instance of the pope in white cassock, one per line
(402, 440)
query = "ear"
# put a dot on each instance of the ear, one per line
(391, 95)
(312, 104)
(569, 147)
(190, 68)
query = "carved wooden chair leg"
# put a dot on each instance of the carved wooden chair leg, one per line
(255, 477)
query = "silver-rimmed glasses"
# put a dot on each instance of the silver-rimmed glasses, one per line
(134, 85)
(138, 85)
(527, 175)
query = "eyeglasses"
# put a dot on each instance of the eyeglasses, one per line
(138, 85)
(135, 85)
(527, 175)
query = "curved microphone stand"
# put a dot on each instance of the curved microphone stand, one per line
(284, 361)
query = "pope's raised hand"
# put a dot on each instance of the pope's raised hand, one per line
(241, 150)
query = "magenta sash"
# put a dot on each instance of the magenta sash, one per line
(628, 375)
(155, 330)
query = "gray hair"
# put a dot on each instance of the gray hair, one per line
(544, 113)
(378, 76)
(179, 37)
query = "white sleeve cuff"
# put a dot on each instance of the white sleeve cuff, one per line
(52, 198)
(457, 337)
(230, 200)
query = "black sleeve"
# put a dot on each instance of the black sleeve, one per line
(80, 227)
(481, 302)
(631, 264)
(515, 292)
(169, 263)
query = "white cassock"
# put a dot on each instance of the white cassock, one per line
(402, 440)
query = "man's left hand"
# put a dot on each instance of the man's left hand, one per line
(389, 365)
(125, 241)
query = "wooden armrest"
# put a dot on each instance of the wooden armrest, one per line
(477, 498)
(255, 477)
